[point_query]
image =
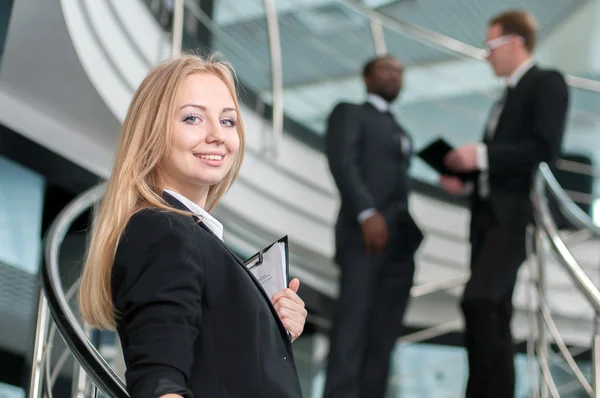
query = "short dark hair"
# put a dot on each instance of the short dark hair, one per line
(368, 68)
(520, 23)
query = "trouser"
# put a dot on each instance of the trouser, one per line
(497, 251)
(367, 321)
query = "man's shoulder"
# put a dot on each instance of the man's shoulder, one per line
(544, 75)
(348, 106)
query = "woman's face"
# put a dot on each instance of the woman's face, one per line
(205, 139)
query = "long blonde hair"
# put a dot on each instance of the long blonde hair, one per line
(135, 181)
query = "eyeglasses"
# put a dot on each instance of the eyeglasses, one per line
(499, 42)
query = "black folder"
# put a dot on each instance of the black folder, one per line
(434, 154)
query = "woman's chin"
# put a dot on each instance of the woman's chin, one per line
(210, 180)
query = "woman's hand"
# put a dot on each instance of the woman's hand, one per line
(290, 309)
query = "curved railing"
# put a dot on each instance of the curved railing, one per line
(54, 301)
(545, 245)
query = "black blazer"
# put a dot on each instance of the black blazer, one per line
(529, 131)
(369, 164)
(192, 319)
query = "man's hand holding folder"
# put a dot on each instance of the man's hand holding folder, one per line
(438, 155)
(451, 164)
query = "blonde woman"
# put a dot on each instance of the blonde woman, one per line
(191, 318)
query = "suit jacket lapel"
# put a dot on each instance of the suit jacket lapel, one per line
(515, 94)
(398, 133)
(180, 206)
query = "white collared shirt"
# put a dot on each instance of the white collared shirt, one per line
(518, 73)
(379, 103)
(212, 223)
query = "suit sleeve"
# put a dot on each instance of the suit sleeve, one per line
(549, 118)
(161, 302)
(342, 146)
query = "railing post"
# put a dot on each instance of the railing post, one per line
(41, 335)
(378, 37)
(276, 73)
(78, 389)
(177, 34)
(541, 290)
(596, 357)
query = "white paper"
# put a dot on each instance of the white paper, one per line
(272, 272)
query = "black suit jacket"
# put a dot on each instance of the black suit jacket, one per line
(529, 131)
(364, 149)
(192, 319)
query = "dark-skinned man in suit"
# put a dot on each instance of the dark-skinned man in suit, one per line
(376, 238)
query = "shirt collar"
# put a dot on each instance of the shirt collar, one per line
(379, 103)
(212, 223)
(518, 73)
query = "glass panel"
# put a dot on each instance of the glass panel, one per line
(8, 391)
(21, 203)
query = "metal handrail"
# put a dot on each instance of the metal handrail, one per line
(545, 183)
(578, 167)
(575, 215)
(571, 211)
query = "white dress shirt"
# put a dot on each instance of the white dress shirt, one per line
(212, 223)
(379, 103)
(482, 154)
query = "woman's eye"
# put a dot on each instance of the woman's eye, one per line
(228, 122)
(192, 119)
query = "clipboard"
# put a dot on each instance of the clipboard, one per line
(271, 266)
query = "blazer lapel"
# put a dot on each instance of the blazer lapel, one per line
(400, 141)
(515, 94)
(180, 206)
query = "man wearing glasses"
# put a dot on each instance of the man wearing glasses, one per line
(525, 127)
